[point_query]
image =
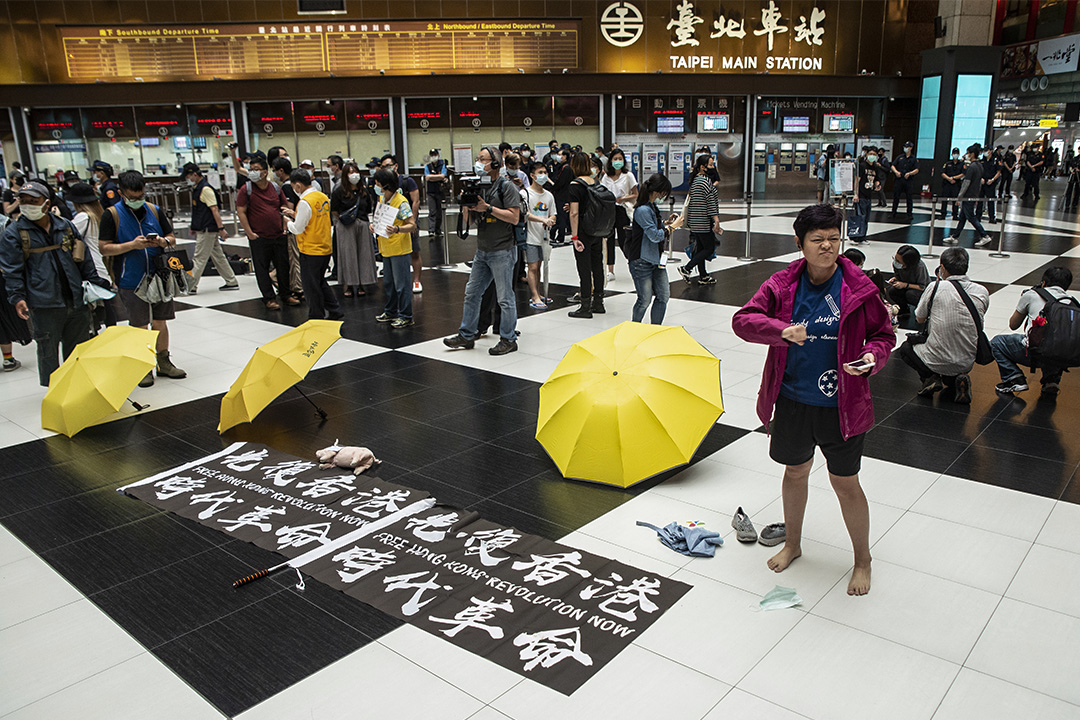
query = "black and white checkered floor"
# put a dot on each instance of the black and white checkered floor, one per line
(113, 609)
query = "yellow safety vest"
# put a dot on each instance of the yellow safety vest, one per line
(315, 240)
(398, 243)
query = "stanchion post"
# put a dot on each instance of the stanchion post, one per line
(671, 259)
(746, 256)
(933, 214)
(1001, 231)
(444, 238)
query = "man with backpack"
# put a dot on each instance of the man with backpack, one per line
(496, 215)
(209, 230)
(1054, 324)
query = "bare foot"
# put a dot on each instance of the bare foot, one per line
(860, 581)
(780, 561)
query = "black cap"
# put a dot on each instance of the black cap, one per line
(909, 144)
(70, 175)
(81, 193)
(433, 151)
(190, 168)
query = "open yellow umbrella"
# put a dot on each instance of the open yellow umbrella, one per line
(628, 403)
(97, 377)
(274, 368)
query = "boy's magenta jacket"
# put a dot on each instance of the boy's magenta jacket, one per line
(865, 327)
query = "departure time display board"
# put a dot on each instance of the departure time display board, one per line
(183, 52)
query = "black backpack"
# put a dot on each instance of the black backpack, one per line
(1055, 342)
(597, 218)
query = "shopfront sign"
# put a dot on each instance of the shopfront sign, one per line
(1045, 57)
(717, 36)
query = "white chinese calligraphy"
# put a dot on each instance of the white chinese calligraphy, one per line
(245, 461)
(548, 647)
(362, 561)
(684, 25)
(547, 569)
(402, 582)
(319, 487)
(475, 616)
(171, 487)
(811, 35)
(429, 528)
(631, 596)
(729, 27)
(302, 535)
(285, 472)
(372, 504)
(770, 23)
(483, 542)
(255, 518)
(216, 502)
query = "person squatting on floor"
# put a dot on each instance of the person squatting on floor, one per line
(827, 332)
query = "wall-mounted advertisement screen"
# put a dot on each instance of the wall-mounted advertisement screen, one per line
(671, 124)
(840, 123)
(796, 124)
(713, 122)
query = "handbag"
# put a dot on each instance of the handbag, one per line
(983, 354)
(348, 217)
(173, 258)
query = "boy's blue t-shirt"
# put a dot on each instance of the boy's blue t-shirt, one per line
(810, 376)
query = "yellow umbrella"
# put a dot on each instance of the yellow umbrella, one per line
(97, 377)
(274, 368)
(628, 403)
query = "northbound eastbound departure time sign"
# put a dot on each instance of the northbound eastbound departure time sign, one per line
(178, 52)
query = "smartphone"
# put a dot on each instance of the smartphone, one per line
(859, 365)
(152, 237)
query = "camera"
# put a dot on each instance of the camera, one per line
(231, 146)
(470, 191)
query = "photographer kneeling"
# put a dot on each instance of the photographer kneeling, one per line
(496, 213)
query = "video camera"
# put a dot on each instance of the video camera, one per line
(470, 190)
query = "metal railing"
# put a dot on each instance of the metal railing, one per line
(1002, 202)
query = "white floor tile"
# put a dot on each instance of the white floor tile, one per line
(133, 690)
(740, 704)
(1031, 647)
(975, 696)
(31, 588)
(1060, 529)
(52, 651)
(473, 674)
(825, 523)
(1049, 578)
(907, 607)
(14, 434)
(636, 684)
(11, 548)
(999, 510)
(745, 567)
(739, 634)
(967, 555)
(373, 682)
(618, 551)
(885, 482)
(489, 713)
(829, 671)
(722, 488)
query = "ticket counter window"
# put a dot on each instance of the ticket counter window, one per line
(427, 126)
(320, 131)
(577, 121)
(58, 140)
(211, 129)
(111, 137)
(368, 123)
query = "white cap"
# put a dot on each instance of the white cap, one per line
(306, 162)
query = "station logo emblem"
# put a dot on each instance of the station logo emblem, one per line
(621, 24)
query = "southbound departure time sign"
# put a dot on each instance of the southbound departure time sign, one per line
(179, 52)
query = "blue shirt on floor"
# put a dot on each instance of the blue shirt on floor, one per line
(810, 374)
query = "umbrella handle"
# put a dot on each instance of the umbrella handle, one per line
(256, 576)
(322, 413)
(137, 405)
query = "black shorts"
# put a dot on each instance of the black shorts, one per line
(797, 429)
(139, 311)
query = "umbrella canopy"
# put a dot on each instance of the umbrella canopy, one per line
(628, 403)
(274, 368)
(97, 377)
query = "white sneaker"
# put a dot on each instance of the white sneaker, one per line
(417, 287)
(983, 241)
(611, 277)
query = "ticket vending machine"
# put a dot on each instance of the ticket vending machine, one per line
(633, 158)
(761, 163)
(680, 158)
(654, 159)
(801, 156)
(786, 156)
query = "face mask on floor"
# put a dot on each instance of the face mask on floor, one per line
(780, 598)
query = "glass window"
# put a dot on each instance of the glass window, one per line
(271, 125)
(427, 128)
(211, 129)
(159, 126)
(111, 136)
(58, 140)
(577, 121)
(368, 123)
(476, 122)
(320, 133)
(528, 120)
(971, 110)
(928, 116)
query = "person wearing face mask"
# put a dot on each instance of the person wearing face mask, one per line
(991, 176)
(106, 186)
(952, 172)
(496, 216)
(1009, 161)
(560, 176)
(258, 206)
(541, 220)
(551, 159)
(623, 186)
(645, 250)
(910, 278)
(969, 191)
(703, 219)
(135, 232)
(209, 230)
(905, 168)
(436, 174)
(395, 246)
(282, 172)
(411, 190)
(310, 223)
(526, 155)
(44, 263)
(350, 205)
(588, 242)
(870, 175)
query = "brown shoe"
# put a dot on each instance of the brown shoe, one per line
(273, 305)
(290, 300)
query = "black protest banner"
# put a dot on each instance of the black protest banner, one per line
(547, 611)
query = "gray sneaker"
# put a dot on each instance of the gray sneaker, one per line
(773, 534)
(744, 529)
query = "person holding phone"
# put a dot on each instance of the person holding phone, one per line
(827, 331)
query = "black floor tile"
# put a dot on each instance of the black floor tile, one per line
(487, 421)
(910, 448)
(422, 448)
(486, 469)
(242, 659)
(507, 516)
(125, 553)
(1041, 442)
(52, 484)
(568, 503)
(1014, 471)
(428, 404)
(925, 419)
(524, 441)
